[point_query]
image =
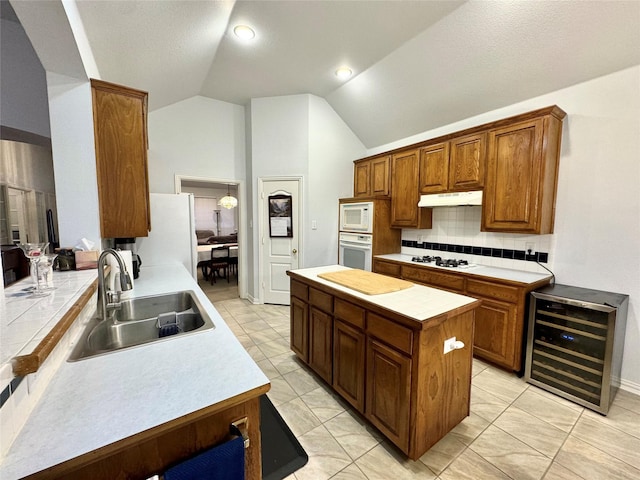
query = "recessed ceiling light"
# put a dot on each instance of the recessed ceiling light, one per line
(343, 72)
(244, 32)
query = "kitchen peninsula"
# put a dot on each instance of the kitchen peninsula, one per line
(384, 353)
(133, 412)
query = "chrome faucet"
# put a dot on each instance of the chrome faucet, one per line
(125, 283)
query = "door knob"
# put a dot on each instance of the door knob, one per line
(295, 251)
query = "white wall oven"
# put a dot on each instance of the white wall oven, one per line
(356, 250)
(356, 217)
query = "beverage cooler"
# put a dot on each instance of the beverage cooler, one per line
(575, 343)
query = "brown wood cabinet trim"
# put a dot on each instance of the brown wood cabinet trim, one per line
(553, 110)
(25, 364)
(116, 88)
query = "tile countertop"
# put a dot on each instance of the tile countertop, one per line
(417, 302)
(518, 276)
(97, 401)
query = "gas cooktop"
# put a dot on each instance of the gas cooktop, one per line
(443, 262)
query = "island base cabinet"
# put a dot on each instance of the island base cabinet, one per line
(320, 343)
(299, 312)
(154, 451)
(388, 392)
(349, 364)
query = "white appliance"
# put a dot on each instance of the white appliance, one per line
(355, 250)
(356, 217)
(453, 199)
(172, 238)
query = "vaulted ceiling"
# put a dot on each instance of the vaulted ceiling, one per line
(417, 65)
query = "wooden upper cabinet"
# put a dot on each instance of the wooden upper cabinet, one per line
(405, 212)
(467, 162)
(371, 177)
(434, 168)
(120, 128)
(521, 180)
(457, 165)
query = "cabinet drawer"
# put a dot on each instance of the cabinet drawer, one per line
(321, 300)
(433, 278)
(390, 332)
(493, 290)
(299, 290)
(350, 313)
(386, 268)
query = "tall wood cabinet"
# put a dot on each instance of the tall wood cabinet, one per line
(120, 128)
(522, 175)
(405, 212)
(371, 177)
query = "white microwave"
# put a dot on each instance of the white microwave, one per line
(356, 217)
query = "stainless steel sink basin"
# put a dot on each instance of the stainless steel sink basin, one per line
(136, 323)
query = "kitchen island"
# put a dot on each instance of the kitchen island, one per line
(132, 412)
(385, 353)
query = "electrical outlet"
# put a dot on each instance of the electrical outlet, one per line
(420, 240)
(314, 225)
(449, 344)
(530, 248)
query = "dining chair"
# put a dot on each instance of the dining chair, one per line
(219, 262)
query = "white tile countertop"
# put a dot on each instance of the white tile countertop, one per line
(518, 276)
(100, 400)
(417, 302)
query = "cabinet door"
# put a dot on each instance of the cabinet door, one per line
(388, 392)
(511, 200)
(434, 168)
(320, 343)
(495, 333)
(299, 328)
(119, 115)
(348, 363)
(362, 179)
(380, 176)
(404, 193)
(467, 162)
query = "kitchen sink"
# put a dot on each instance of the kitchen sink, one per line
(137, 323)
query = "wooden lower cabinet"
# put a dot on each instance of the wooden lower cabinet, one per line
(496, 338)
(320, 343)
(499, 320)
(349, 363)
(390, 369)
(388, 392)
(153, 451)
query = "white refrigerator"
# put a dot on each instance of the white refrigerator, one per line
(172, 238)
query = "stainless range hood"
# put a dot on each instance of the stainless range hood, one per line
(453, 199)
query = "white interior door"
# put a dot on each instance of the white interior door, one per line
(280, 243)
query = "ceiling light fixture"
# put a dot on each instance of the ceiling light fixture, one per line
(244, 32)
(343, 73)
(228, 201)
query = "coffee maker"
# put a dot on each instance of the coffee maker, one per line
(130, 244)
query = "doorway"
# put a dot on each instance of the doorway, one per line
(220, 221)
(280, 230)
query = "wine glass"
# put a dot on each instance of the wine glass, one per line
(35, 252)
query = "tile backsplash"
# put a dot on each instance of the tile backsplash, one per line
(456, 234)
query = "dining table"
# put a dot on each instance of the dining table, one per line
(204, 254)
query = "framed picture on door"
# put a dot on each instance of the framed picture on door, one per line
(280, 214)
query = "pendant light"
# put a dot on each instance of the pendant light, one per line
(228, 201)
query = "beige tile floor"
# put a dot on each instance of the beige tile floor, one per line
(515, 430)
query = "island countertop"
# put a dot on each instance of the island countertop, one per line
(98, 401)
(418, 302)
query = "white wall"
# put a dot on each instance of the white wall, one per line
(332, 149)
(23, 96)
(597, 227)
(198, 137)
(74, 161)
